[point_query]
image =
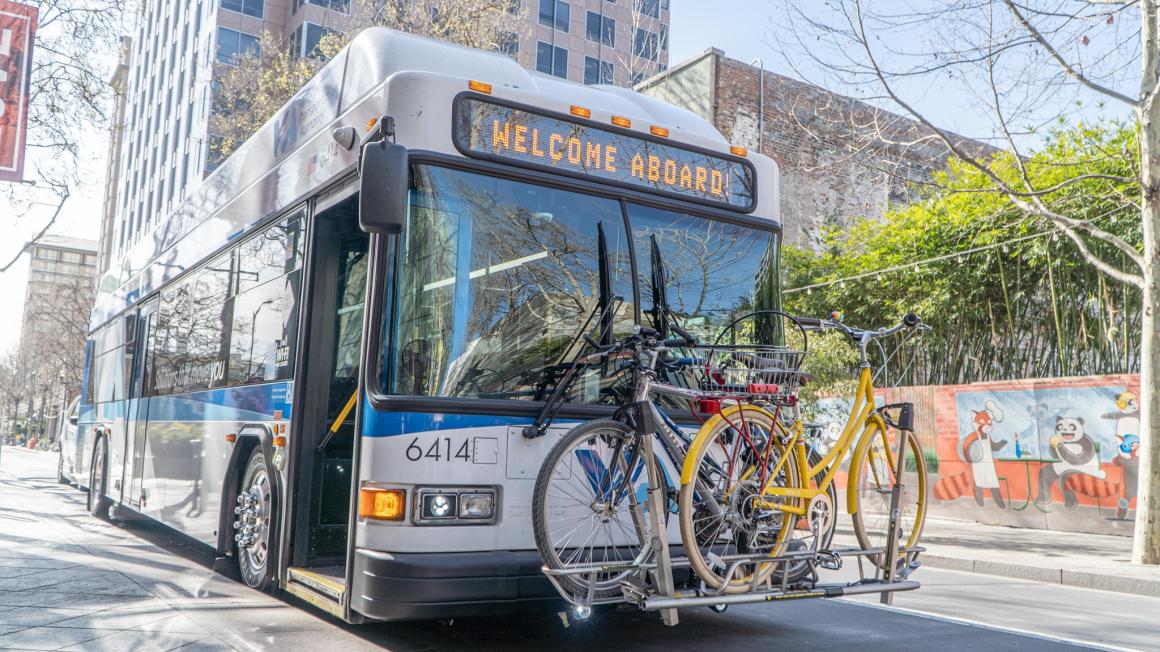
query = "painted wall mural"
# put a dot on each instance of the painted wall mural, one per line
(1060, 454)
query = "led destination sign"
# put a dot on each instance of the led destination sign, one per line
(492, 130)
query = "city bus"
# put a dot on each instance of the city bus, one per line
(322, 363)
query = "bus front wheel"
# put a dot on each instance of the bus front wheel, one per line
(98, 504)
(252, 525)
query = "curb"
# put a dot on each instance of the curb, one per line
(1080, 579)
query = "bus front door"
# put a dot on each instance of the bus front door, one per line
(325, 419)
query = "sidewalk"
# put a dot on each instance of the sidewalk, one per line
(69, 581)
(1091, 561)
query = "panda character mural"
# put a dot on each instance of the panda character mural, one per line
(1076, 452)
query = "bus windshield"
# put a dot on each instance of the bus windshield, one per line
(495, 278)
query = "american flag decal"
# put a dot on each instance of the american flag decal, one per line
(311, 164)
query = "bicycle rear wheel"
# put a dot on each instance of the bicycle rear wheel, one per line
(590, 507)
(724, 511)
(872, 480)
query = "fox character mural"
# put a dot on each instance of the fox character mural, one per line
(979, 450)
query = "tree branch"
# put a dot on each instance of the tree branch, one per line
(36, 238)
(1067, 67)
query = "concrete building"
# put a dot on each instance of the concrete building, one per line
(57, 300)
(840, 158)
(164, 151)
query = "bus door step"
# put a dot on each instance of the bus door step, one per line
(328, 581)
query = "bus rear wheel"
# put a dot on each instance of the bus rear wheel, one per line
(98, 504)
(252, 527)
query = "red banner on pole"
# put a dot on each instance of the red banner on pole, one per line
(17, 33)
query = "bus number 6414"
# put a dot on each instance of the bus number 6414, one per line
(440, 449)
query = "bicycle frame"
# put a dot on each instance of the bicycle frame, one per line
(864, 422)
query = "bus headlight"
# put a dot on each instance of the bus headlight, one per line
(438, 506)
(455, 505)
(477, 505)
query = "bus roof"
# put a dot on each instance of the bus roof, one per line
(293, 155)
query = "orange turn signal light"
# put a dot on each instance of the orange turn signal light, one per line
(581, 112)
(739, 151)
(479, 87)
(620, 121)
(371, 124)
(382, 504)
(231, 438)
(280, 441)
(659, 131)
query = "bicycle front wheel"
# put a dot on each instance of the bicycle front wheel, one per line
(729, 520)
(591, 507)
(872, 480)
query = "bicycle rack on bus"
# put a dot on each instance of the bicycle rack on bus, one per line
(651, 586)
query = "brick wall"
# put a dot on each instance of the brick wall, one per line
(834, 165)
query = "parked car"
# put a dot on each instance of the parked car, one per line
(69, 445)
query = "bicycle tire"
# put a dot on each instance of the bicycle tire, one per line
(635, 539)
(869, 497)
(697, 472)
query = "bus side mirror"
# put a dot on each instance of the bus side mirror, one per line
(382, 206)
(72, 420)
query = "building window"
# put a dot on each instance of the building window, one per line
(648, 8)
(71, 256)
(601, 29)
(644, 44)
(333, 5)
(248, 7)
(597, 71)
(313, 36)
(47, 254)
(231, 44)
(509, 44)
(551, 59)
(555, 14)
(637, 77)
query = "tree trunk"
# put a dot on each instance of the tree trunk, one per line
(1146, 544)
(1146, 541)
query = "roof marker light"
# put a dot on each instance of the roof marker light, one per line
(739, 151)
(621, 121)
(479, 87)
(663, 132)
(581, 112)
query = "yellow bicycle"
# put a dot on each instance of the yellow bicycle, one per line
(756, 476)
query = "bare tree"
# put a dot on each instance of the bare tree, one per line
(248, 93)
(1021, 63)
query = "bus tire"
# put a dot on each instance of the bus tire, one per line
(97, 503)
(253, 523)
(61, 478)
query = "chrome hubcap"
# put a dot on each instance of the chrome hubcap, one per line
(253, 524)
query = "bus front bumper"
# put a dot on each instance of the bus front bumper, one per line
(422, 586)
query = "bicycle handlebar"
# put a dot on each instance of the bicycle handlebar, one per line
(909, 321)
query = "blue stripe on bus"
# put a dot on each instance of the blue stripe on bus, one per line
(393, 424)
(246, 403)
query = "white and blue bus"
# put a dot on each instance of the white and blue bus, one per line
(321, 364)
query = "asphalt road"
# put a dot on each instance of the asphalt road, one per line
(69, 580)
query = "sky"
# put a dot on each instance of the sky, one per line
(743, 29)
